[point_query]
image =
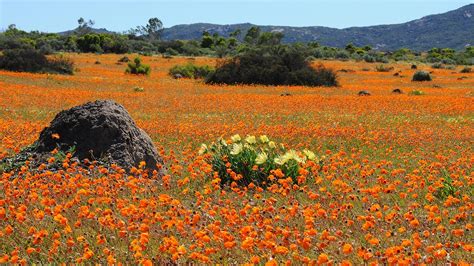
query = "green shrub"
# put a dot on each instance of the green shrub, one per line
(136, 67)
(145, 53)
(342, 55)
(256, 160)
(31, 60)
(448, 189)
(191, 71)
(448, 61)
(124, 59)
(466, 70)
(383, 68)
(421, 76)
(171, 51)
(437, 66)
(417, 92)
(138, 89)
(275, 66)
(369, 59)
(60, 65)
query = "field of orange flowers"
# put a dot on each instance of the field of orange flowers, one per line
(395, 185)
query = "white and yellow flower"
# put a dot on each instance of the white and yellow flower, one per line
(272, 145)
(309, 154)
(293, 155)
(236, 138)
(264, 139)
(223, 142)
(251, 139)
(261, 158)
(203, 149)
(236, 148)
(281, 160)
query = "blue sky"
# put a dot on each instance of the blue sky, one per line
(121, 15)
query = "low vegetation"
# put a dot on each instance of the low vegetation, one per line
(145, 40)
(31, 60)
(421, 76)
(137, 68)
(272, 66)
(466, 70)
(191, 71)
(383, 68)
(124, 59)
(256, 161)
(417, 92)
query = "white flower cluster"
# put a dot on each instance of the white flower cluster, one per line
(263, 151)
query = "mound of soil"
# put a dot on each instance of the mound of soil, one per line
(100, 130)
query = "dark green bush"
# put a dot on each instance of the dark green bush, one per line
(124, 59)
(369, 58)
(421, 76)
(466, 70)
(31, 60)
(137, 68)
(191, 71)
(342, 55)
(60, 65)
(272, 66)
(171, 52)
(383, 68)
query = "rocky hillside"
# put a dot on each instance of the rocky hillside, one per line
(454, 29)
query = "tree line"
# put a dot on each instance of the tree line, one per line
(147, 40)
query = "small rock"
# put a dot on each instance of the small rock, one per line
(364, 93)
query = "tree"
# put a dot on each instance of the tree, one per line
(84, 26)
(13, 32)
(270, 38)
(470, 51)
(252, 35)
(236, 34)
(350, 48)
(90, 42)
(207, 41)
(154, 28)
(151, 31)
(232, 42)
(367, 48)
(313, 44)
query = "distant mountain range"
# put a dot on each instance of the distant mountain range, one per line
(94, 30)
(453, 29)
